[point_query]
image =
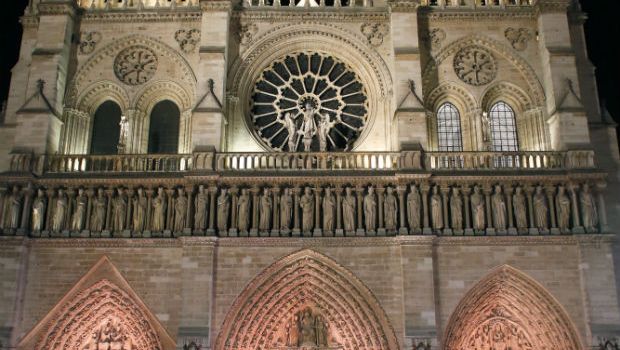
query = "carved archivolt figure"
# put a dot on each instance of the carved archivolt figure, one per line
(307, 209)
(520, 209)
(223, 209)
(38, 211)
(119, 211)
(14, 209)
(541, 209)
(477, 209)
(97, 219)
(79, 213)
(562, 203)
(329, 206)
(60, 212)
(180, 211)
(200, 216)
(286, 210)
(293, 332)
(370, 210)
(391, 210)
(499, 209)
(456, 209)
(349, 206)
(436, 209)
(265, 209)
(588, 209)
(308, 332)
(158, 219)
(243, 211)
(140, 208)
(413, 208)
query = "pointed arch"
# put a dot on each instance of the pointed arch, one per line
(511, 304)
(306, 280)
(100, 304)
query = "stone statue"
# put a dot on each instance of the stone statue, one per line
(520, 209)
(14, 209)
(79, 213)
(223, 210)
(286, 210)
(158, 218)
(329, 206)
(200, 216)
(180, 211)
(140, 208)
(541, 209)
(99, 208)
(499, 209)
(588, 209)
(293, 332)
(486, 127)
(308, 332)
(349, 206)
(321, 331)
(436, 209)
(562, 203)
(456, 209)
(265, 209)
(477, 209)
(123, 134)
(308, 128)
(325, 126)
(119, 211)
(243, 210)
(413, 208)
(291, 127)
(390, 208)
(370, 210)
(60, 211)
(307, 210)
(38, 211)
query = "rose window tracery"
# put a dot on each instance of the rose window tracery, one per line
(475, 66)
(309, 102)
(135, 65)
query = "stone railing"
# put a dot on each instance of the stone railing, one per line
(94, 5)
(509, 160)
(307, 4)
(119, 164)
(478, 3)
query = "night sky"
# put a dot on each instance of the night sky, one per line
(602, 31)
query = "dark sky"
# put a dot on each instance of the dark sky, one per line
(602, 31)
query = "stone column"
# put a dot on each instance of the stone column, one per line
(212, 197)
(49, 210)
(70, 200)
(296, 228)
(255, 202)
(149, 199)
(488, 190)
(550, 191)
(26, 210)
(529, 192)
(131, 192)
(602, 209)
(508, 190)
(109, 193)
(445, 191)
(466, 191)
(424, 189)
(318, 231)
(89, 207)
(234, 202)
(339, 231)
(3, 191)
(574, 196)
(381, 215)
(275, 216)
(402, 192)
(359, 190)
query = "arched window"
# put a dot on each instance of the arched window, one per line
(164, 128)
(503, 128)
(106, 129)
(449, 129)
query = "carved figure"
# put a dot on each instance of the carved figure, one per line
(38, 211)
(308, 332)
(390, 208)
(140, 207)
(119, 211)
(486, 127)
(79, 213)
(520, 209)
(436, 209)
(243, 211)
(588, 209)
(158, 219)
(321, 331)
(562, 203)
(308, 128)
(291, 127)
(413, 208)
(349, 206)
(265, 210)
(307, 210)
(329, 205)
(370, 210)
(124, 133)
(541, 209)
(477, 208)
(223, 209)
(200, 216)
(60, 212)
(456, 209)
(13, 213)
(180, 211)
(325, 126)
(286, 209)
(293, 332)
(97, 219)
(499, 209)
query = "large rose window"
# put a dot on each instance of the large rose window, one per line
(309, 102)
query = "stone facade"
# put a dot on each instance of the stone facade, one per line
(347, 174)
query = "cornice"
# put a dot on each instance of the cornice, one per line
(58, 9)
(215, 5)
(478, 14)
(550, 6)
(142, 16)
(328, 14)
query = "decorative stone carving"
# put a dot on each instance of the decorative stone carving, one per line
(99, 208)
(60, 211)
(588, 209)
(562, 206)
(109, 334)
(88, 42)
(436, 37)
(478, 209)
(307, 210)
(325, 126)
(456, 209)
(38, 211)
(390, 208)
(200, 216)
(286, 210)
(136, 65)
(413, 208)
(158, 207)
(307, 330)
(265, 209)
(541, 210)
(370, 210)
(244, 204)
(13, 209)
(500, 331)
(437, 209)
(247, 32)
(140, 208)
(119, 211)
(499, 209)
(375, 32)
(188, 39)
(475, 65)
(223, 210)
(329, 208)
(349, 210)
(520, 209)
(518, 38)
(180, 211)
(79, 212)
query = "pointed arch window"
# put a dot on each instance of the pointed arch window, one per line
(106, 129)
(503, 128)
(449, 134)
(164, 128)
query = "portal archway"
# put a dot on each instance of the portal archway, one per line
(303, 287)
(508, 310)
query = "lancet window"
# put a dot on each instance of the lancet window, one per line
(164, 128)
(449, 128)
(503, 128)
(106, 129)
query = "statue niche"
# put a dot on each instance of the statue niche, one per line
(307, 329)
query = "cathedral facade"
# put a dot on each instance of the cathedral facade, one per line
(307, 174)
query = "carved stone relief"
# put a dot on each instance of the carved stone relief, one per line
(188, 39)
(475, 65)
(375, 32)
(88, 42)
(135, 65)
(518, 38)
(436, 36)
(247, 32)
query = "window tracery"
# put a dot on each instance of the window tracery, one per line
(503, 128)
(449, 128)
(475, 66)
(135, 65)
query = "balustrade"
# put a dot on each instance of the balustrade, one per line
(478, 3)
(137, 4)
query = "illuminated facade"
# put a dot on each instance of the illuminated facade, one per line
(314, 174)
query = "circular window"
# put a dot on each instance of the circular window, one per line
(475, 66)
(135, 65)
(309, 102)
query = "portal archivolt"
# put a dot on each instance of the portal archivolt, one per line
(306, 300)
